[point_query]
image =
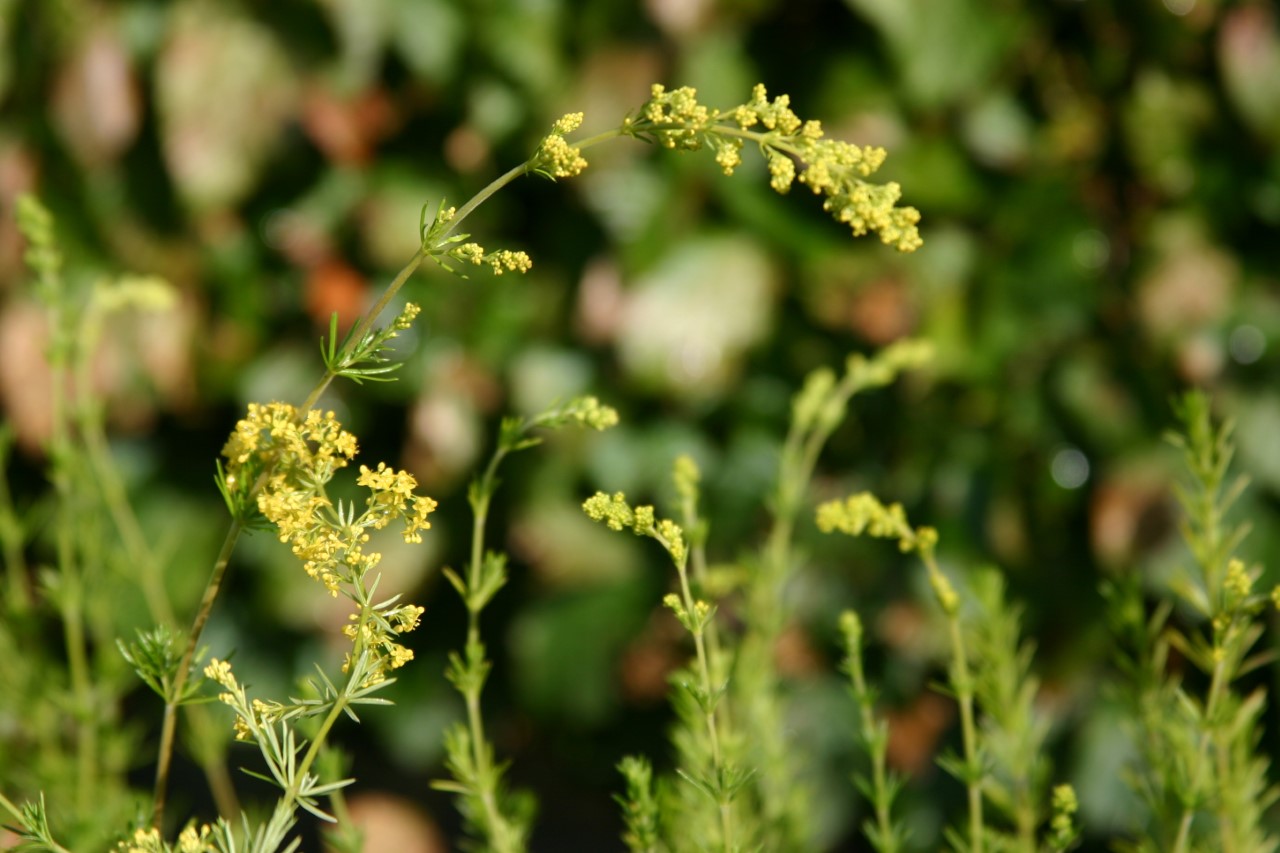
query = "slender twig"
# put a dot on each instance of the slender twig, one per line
(169, 725)
(480, 752)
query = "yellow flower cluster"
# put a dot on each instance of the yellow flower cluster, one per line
(864, 513)
(555, 156)
(832, 168)
(1238, 581)
(694, 621)
(190, 840)
(590, 412)
(392, 497)
(273, 433)
(378, 636)
(679, 120)
(299, 458)
(500, 261)
(616, 514)
(405, 318)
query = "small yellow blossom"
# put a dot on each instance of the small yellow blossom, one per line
(407, 618)
(567, 123)
(701, 611)
(948, 600)
(1238, 581)
(557, 157)
(472, 252)
(782, 171)
(673, 538)
(1062, 824)
(220, 671)
(618, 515)
(729, 155)
(644, 520)
(612, 510)
(508, 261)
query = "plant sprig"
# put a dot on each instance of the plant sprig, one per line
(501, 819)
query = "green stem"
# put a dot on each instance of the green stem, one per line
(313, 749)
(510, 175)
(71, 600)
(1217, 687)
(704, 676)
(876, 746)
(962, 684)
(168, 727)
(502, 838)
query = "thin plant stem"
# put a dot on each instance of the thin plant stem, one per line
(877, 745)
(704, 675)
(169, 724)
(313, 750)
(71, 599)
(1217, 688)
(698, 565)
(480, 753)
(962, 684)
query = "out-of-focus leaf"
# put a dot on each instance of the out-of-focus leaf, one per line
(690, 318)
(565, 648)
(6, 52)
(1190, 285)
(718, 67)
(1259, 425)
(936, 177)
(544, 375)
(522, 40)
(944, 49)
(96, 104)
(566, 550)
(429, 36)
(362, 28)
(224, 90)
(387, 220)
(1249, 55)
(1161, 122)
(998, 131)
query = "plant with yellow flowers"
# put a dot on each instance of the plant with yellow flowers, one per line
(276, 474)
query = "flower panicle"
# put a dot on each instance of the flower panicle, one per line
(295, 457)
(499, 262)
(794, 150)
(556, 158)
(616, 514)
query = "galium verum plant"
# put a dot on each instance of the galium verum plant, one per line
(279, 462)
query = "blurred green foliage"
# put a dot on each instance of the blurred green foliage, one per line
(1100, 185)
